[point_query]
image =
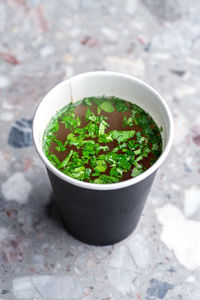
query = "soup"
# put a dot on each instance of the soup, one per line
(102, 140)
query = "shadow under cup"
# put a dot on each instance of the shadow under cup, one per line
(102, 214)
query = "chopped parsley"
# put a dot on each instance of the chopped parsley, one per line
(90, 151)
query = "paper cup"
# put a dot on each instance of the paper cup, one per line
(102, 214)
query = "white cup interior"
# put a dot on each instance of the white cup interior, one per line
(99, 84)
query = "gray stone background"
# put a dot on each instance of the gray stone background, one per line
(44, 42)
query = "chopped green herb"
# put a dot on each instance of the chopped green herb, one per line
(60, 146)
(92, 129)
(136, 172)
(107, 106)
(77, 173)
(90, 116)
(137, 152)
(98, 110)
(87, 173)
(104, 148)
(116, 172)
(101, 166)
(54, 159)
(128, 121)
(105, 138)
(87, 101)
(155, 146)
(122, 136)
(139, 158)
(66, 160)
(102, 127)
(120, 105)
(104, 179)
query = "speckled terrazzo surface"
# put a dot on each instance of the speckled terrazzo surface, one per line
(43, 42)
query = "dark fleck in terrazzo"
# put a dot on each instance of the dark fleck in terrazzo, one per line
(21, 134)
(158, 288)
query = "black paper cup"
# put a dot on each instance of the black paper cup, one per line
(102, 214)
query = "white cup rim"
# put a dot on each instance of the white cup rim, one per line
(122, 184)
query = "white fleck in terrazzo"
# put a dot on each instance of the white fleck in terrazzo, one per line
(155, 201)
(69, 71)
(185, 90)
(161, 56)
(193, 61)
(190, 279)
(139, 250)
(38, 259)
(3, 233)
(180, 235)
(7, 105)
(134, 66)
(121, 270)
(46, 287)
(74, 32)
(17, 188)
(74, 47)
(6, 116)
(181, 126)
(175, 187)
(131, 6)
(109, 33)
(125, 262)
(189, 162)
(191, 200)
(47, 51)
(195, 294)
(4, 82)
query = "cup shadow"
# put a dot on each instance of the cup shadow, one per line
(52, 212)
